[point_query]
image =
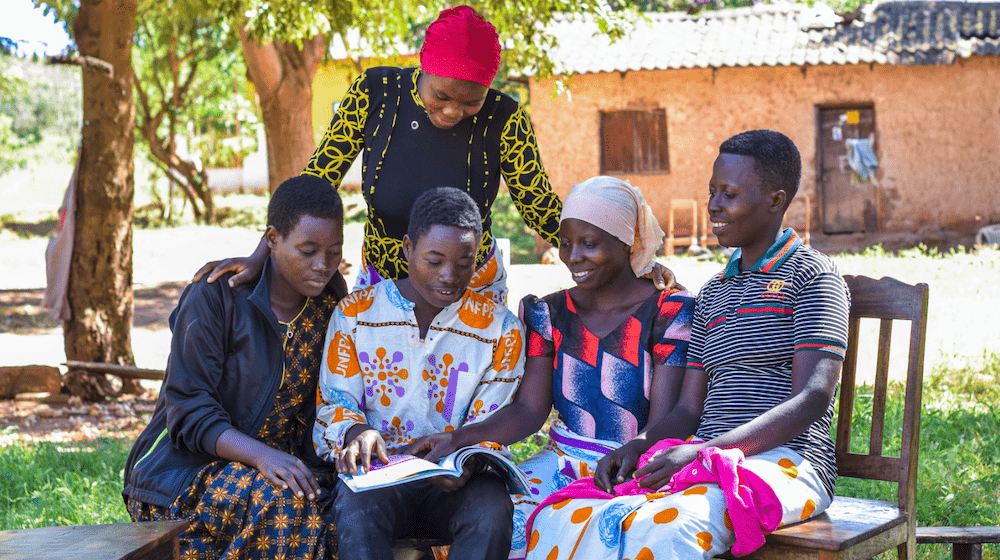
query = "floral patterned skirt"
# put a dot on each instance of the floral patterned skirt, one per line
(235, 512)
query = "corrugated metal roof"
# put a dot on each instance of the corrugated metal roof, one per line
(897, 32)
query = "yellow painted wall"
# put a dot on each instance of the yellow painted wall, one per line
(331, 83)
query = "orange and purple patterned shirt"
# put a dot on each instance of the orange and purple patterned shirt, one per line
(377, 370)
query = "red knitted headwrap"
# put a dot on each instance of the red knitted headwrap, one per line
(461, 44)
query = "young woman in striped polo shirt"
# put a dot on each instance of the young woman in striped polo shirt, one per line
(767, 344)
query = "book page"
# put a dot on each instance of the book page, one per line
(400, 468)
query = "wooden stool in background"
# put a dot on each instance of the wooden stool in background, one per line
(808, 210)
(670, 239)
(707, 237)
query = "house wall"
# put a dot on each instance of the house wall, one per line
(937, 130)
(334, 77)
(329, 86)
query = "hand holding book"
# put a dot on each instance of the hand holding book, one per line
(400, 469)
(433, 447)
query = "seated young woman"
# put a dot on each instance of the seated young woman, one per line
(767, 342)
(229, 446)
(609, 353)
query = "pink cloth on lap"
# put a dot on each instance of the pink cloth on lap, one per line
(753, 507)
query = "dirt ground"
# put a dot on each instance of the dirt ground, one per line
(65, 418)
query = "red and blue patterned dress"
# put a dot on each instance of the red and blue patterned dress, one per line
(600, 386)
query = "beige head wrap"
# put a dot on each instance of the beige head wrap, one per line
(619, 209)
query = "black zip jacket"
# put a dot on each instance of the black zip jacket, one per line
(224, 370)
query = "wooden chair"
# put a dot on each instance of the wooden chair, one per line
(670, 239)
(855, 528)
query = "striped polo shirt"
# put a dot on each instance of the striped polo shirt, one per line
(749, 325)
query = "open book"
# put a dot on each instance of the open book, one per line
(405, 468)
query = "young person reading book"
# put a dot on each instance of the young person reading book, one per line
(767, 342)
(609, 353)
(413, 357)
(228, 447)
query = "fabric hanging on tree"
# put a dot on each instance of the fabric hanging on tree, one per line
(59, 254)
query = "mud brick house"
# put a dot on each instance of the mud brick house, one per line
(917, 82)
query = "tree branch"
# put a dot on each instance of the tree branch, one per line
(263, 64)
(86, 62)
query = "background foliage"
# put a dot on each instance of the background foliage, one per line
(36, 101)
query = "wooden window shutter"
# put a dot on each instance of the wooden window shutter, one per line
(634, 142)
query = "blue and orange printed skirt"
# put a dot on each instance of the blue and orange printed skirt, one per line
(236, 513)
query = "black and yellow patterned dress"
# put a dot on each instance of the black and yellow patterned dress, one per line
(404, 155)
(234, 511)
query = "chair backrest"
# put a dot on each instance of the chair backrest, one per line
(887, 300)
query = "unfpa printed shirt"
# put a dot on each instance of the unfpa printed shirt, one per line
(377, 370)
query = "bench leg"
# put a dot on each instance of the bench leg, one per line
(961, 551)
(164, 551)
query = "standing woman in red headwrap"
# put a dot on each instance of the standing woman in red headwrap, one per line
(437, 125)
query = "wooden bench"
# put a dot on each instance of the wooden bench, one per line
(854, 528)
(966, 542)
(156, 540)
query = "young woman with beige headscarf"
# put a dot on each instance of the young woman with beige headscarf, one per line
(609, 353)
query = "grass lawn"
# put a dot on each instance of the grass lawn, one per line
(47, 484)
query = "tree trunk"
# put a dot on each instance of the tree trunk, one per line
(100, 288)
(282, 74)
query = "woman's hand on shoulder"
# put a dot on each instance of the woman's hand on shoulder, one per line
(242, 266)
(287, 472)
(246, 268)
(663, 278)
